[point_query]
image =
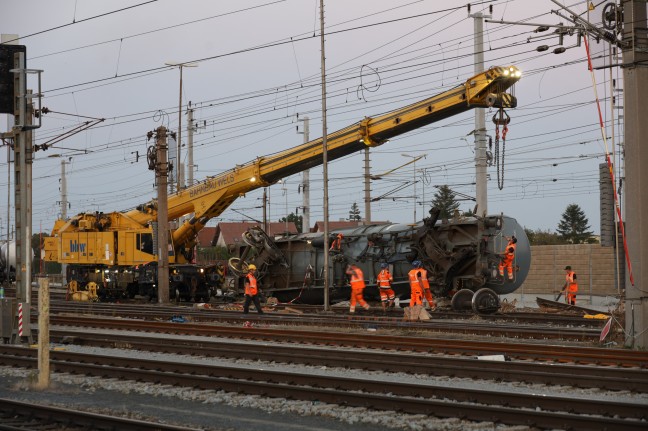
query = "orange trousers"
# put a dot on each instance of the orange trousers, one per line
(428, 296)
(356, 297)
(416, 296)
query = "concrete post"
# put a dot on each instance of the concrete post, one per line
(635, 92)
(161, 173)
(43, 333)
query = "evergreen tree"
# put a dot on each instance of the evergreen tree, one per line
(298, 220)
(444, 199)
(543, 237)
(468, 213)
(573, 226)
(354, 214)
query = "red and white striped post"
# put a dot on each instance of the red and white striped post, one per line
(20, 319)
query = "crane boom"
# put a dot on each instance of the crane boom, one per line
(212, 196)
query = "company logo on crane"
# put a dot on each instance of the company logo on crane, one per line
(76, 247)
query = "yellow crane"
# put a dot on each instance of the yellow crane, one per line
(112, 243)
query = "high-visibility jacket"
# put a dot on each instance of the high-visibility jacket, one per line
(251, 285)
(414, 275)
(511, 244)
(384, 279)
(357, 279)
(424, 278)
(336, 245)
(572, 285)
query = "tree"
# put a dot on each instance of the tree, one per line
(444, 199)
(468, 213)
(292, 217)
(573, 226)
(207, 255)
(543, 237)
(354, 214)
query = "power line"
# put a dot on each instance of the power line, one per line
(78, 22)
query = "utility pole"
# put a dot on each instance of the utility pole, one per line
(481, 177)
(324, 163)
(265, 209)
(190, 132)
(64, 204)
(161, 173)
(635, 93)
(367, 186)
(20, 180)
(306, 183)
(179, 168)
(16, 99)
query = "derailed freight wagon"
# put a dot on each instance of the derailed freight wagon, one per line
(461, 256)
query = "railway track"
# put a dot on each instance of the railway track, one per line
(19, 415)
(440, 401)
(574, 329)
(310, 311)
(608, 378)
(514, 350)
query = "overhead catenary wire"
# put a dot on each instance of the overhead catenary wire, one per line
(132, 142)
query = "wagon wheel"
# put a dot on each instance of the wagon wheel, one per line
(462, 300)
(252, 239)
(485, 301)
(237, 266)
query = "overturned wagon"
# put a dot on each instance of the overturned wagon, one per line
(461, 256)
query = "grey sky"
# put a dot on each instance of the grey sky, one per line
(249, 100)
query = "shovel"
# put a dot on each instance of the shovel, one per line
(559, 294)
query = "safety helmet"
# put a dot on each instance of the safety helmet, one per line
(416, 263)
(251, 267)
(384, 265)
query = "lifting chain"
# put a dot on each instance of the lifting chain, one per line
(503, 120)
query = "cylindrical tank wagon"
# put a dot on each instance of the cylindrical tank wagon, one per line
(461, 256)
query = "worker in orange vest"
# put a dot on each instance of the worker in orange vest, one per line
(427, 293)
(512, 242)
(416, 284)
(251, 291)
(507, 262)
(357, 287)
(384, 280)
(336, 245)
(571, 286)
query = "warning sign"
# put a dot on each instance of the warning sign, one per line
(606, 330)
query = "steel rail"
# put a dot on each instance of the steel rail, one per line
(479, 405)
(619, 379)
(518, 350)
(15, 414)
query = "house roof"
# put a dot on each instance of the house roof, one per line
(207, 236)
(232, 231)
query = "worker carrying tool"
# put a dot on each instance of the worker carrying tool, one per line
(384, 280)
(357, 287)
(336, 245)
(251, 291)
(570, 288)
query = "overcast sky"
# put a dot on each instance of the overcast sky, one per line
(380, 55)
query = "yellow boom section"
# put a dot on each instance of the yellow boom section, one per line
(212, 196)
